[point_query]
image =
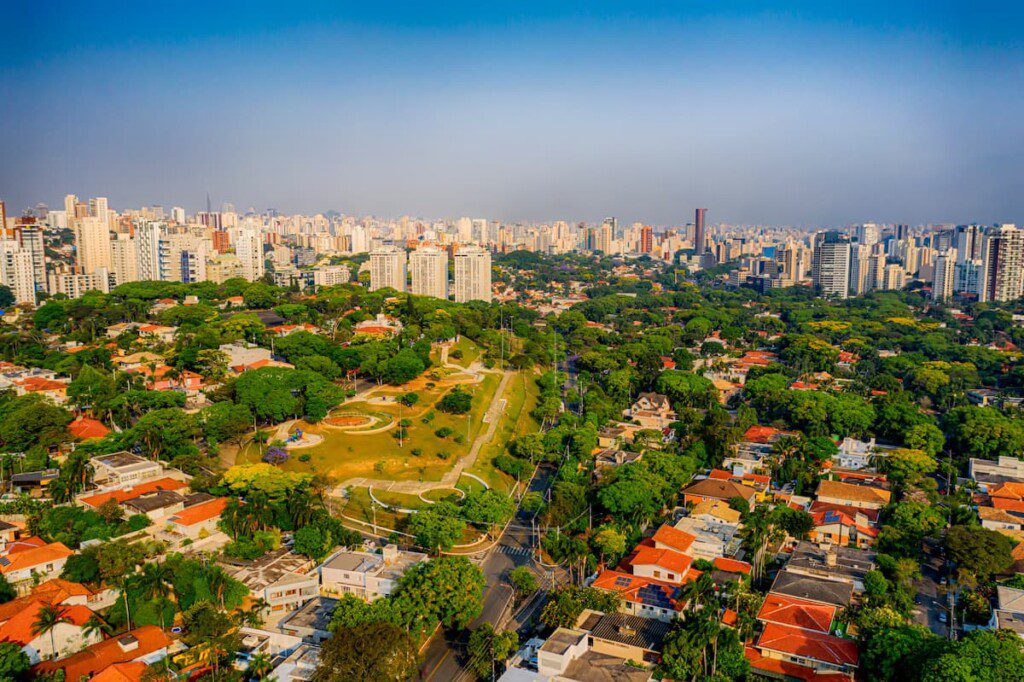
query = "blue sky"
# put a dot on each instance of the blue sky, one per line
(811, 113)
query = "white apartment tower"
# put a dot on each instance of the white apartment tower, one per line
(942, 283)
(147, 247)
(124, 259)
(249, 249)
(472, 274)
(428, 267)
(830, 264)
(387, 268)
(16, 272)
(1002, 274)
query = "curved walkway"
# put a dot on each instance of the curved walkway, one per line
(491, 419)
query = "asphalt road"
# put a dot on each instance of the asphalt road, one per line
(442, 657)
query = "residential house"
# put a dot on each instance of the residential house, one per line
(367, 575)
(567, 654)
(124, 469)
(26, 562)
(197, 520)
(270, 643)
(839, 528)
(17, 625)
(311, 621)
(123, 495)
(33, 483)
(715, 529)
(716, 490)
(85, 428)
(661, 564)
(819, 652)
(854, 454)
(642, 596)
(987, 473)
(624, 636)
(782, 609)
(751, 455)
(812, 588)
(999, 519)
(852, 495)
(283, 579)
(156, 332)
(147, 644)
(832, 562)
(651, 411)
(1009, 611)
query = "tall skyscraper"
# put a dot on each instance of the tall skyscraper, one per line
(604, 237)
(700, 239)
(124, 259)
(1002, 275)
(387, 268)
(472, 274)
(830, 264)
(646, 239)
(428, 269)
(249, 249)
(868, 234)
(92, 244)
(860, 255)
(942, 283)
(16, 272)
(147, 249)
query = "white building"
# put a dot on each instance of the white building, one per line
(472, 274)
(124, 259)
(428, 268)
(92, 244)
(830, 264)
(387, 268)
(17, 272)
(942, 283)
(331, 275)
(249, 249)
(367, 575)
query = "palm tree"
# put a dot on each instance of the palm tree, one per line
(259, 607)
(259, 667)
(217, 579)
(124, 582)
(47, 619)
(95, 626)
(155, 582)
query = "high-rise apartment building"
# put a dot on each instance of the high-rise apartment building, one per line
(830, 264)
(868, 234)
(124, 259)
(147, 246)
(1002, 275)
(428, 270)
(16, 272)
(472, 274)
(646, 239)
(249, 249)
(942, 282)
(387, 268)
(92, 244)
(860, 257)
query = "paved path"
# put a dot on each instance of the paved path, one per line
(491, 418)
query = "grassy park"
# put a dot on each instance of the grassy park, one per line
(359, 438)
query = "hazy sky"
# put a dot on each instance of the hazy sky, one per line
(818, 113)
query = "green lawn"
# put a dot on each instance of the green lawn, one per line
(522, 394)
(470, 352)
(344, 455)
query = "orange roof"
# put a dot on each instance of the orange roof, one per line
(39, 385)
(1008, 505)
(777, 668)
(853, 493)
(640, 590)
(729, 617)
(85, 428)
(98, 657)
(35, 556)
(663, 558)
(198, 513)
(676, 539)
(732, 565)
(120, 496)
(374, 330)
(1009, 490)
(23, 544)
(19, 628)
(807, 644)
(798, 613)
(58, 589)
(122, 672)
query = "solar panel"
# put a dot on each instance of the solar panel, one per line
(622, 581)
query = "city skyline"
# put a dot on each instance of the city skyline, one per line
(810, 116)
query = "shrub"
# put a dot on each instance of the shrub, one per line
(275, 455)
(443, 432)
(304, 458)
(443, 454)
(456, 401)
(416, 452)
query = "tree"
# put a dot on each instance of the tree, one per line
(609, 543)
(48, 617)
(437, 528)
(14, 662)
(898, 653)
(448, 589)
(7, 591)
(6, 296)
(455, 401)
(982, 432)
(981, 551)
(993, 655)
(523, 581)
(156, 585)
(405, 366)
(313, 541)
(686, 389)
(566, 603)
(487, 507)
(488, 647)
(374, 651)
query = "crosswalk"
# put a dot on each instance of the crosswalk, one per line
(514, 551)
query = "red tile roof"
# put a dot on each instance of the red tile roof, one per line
(100, 656)
(85, 428)
(662, 558)
(198, 513)
(760, 434)
(798, 613)
(35, 556)
(122, 672)
(732, 565)
(776, 668)
(19, 628)
(676, 539)
(808, 644)
(640, 590)
(120, 496)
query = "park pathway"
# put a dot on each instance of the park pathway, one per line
(491, 419)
